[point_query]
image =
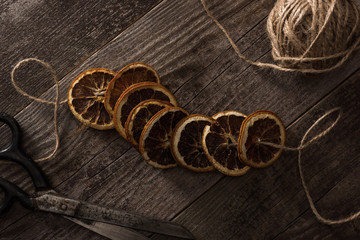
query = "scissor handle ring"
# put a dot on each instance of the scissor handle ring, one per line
(15, 130)
(14, 153)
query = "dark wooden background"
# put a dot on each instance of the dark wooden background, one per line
(196, 62)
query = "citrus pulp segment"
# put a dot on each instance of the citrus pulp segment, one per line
(261, 126)
(131, 74)
(86, 98)
(219, 142)
(139, 116)
(186, 143)
(133, 96)
(154, 144)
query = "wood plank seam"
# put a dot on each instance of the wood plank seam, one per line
(227, 50)
(312, 107)
(289, 126)
(242, 72)
(90, 55)
(228, 67)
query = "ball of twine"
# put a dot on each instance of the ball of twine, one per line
(313, 34)
(308, 36)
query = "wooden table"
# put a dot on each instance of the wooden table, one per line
(196, 62)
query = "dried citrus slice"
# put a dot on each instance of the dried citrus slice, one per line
(129, 75)
(86, 98)
(154, 144)
(133, 96)
(186, 143)
(219, 142)
(260, 126)
(139, 116)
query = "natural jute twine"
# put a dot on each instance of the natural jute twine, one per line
(308, 36)
(302, 145)
(56, 103)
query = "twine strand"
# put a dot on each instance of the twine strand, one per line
(279, 42)
(303, 145)
(51, 70)
(56, 103)
(320, 135)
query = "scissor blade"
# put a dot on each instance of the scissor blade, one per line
(110, 231)
(51, 202)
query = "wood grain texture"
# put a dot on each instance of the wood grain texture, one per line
(195, 61)
(271, 204)
(62, 33)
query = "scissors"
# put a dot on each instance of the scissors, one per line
(108, 222)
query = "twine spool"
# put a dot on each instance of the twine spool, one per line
(309, 36)
(313, 34)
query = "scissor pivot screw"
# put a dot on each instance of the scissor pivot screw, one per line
(63, 207)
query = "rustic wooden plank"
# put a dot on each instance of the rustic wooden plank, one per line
(63, 33)
(60, 33)
(87, 151)
(194, 61)
(339, 201)
(270, 203)
(74, 167)
(54, 227)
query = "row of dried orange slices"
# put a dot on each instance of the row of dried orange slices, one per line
(147, 115)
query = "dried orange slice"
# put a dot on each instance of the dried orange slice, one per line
(154, 144)
(261, 126)
(86, 98)
(139, 116)
(133, 96)
(219, 142)
(129, 75)
(186, 143)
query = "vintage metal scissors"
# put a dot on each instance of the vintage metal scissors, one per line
(111, 223)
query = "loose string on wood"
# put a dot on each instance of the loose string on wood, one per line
(303, 145)
(56, 103)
